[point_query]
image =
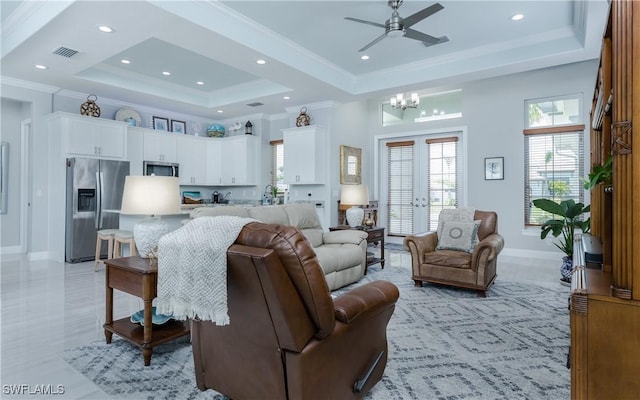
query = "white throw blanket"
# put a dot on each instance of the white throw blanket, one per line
(192, 268)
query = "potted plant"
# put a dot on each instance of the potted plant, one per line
(600, 174)
(567, 217)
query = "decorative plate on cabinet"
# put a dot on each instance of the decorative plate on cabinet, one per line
(124, 114)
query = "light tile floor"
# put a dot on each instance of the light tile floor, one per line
(47, 307)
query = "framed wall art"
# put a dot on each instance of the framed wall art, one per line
(160, 124)
(350, 165)
(493, 168)
(178, 126)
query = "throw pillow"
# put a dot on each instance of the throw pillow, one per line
(454, 214)
(458, 235)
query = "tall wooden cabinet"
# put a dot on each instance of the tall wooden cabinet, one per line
(605, 315)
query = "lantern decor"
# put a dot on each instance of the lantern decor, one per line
(248, 128)
(90, 107)
(303, 119)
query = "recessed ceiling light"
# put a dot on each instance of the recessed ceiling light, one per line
(286, 97)
(166, 73)
(199, 83)
(261, 62)
(105, 29)
(40, 66)
(364, 57)
(125, 61)
(220, 111)
(517, 17)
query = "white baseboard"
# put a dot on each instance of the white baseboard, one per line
(10, 250)
(39, 255)
(547, 255)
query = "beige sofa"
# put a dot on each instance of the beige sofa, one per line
(341, 254)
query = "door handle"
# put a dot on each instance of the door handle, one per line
(98, 200)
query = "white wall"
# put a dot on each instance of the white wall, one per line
(38, 101)
(11, 112)
(493, 112)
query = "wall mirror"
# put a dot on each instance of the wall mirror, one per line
(350, 165)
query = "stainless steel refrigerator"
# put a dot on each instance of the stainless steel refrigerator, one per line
(94, 197)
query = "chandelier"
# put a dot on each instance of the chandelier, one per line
(399, 101)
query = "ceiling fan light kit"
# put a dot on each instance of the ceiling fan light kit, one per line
(397, 26)
(399, 101)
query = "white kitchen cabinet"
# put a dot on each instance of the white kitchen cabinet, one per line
(90, 136)
(232, 161)
(160, 146)
(214, 162)
(135, 151)
(239, 155)
(303, 151)
(192, 156)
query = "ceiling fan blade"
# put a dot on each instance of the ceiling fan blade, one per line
(362, 21)
(420, 15)
(441, 39)
(423, 37)
(376, 40)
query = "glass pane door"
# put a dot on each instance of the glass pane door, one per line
(419, 178)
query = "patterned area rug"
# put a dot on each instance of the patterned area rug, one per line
(444, 343)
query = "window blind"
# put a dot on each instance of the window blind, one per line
(400, 192)
(277, 165)
(554, 164)
(442, 182)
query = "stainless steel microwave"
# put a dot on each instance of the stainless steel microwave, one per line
(160, 168)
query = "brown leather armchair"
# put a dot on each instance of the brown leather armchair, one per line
(476, 270)
(287, 337)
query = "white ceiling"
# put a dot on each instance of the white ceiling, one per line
(310, 49)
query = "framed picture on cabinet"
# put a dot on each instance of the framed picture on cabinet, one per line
(493, 168)
(160, 124)
(350, 165)
(178, 126)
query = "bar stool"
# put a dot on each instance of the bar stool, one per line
(123, 237)
(108, 235)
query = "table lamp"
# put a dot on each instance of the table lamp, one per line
(355, 196)
(152, 196)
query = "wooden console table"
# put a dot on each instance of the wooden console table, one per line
(375, 235)
(138, 277)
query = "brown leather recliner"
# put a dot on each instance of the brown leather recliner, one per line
(476, 270)
(287, 338)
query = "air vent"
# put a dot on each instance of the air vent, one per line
(255, 104)
(65, 52)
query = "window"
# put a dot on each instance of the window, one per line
(556, 111)
(553, 154)
(277, 166)
(432, 107)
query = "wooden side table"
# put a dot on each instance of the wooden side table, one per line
(375, 235)
(138, 277)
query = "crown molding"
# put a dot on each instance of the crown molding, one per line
(28, 18)
(7, 80)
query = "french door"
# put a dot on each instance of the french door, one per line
(420, 176)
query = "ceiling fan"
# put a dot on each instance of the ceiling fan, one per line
(397, 26)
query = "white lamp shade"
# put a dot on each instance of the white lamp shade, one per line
(151, 195)
(354, 195)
